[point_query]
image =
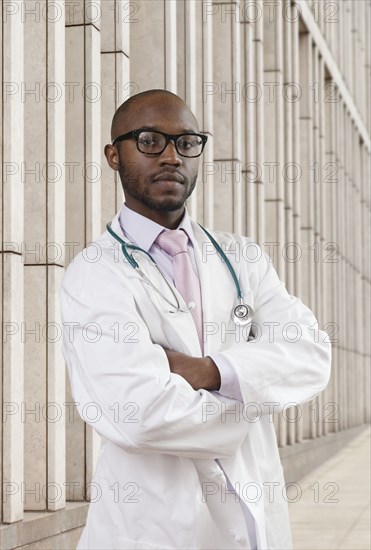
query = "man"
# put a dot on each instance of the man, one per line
(183, 392)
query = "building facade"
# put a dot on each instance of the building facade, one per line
(283, 90)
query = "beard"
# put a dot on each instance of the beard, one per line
(131, 184)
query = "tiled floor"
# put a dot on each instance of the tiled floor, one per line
(333, 510)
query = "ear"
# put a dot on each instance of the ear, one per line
(112, 157)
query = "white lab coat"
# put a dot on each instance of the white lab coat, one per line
(157, 484)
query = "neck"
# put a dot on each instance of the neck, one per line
(170, 220)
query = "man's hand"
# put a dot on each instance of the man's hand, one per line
(200, 372)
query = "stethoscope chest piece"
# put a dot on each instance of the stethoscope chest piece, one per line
(242, 314)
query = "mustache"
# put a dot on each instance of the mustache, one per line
(168, 175)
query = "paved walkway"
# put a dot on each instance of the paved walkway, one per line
(333, 511)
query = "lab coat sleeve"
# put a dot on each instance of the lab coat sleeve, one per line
(121, 381)
(288, 361)
(229, 384)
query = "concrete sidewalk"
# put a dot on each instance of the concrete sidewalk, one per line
(332, 508)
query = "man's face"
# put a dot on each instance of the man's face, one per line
(160, 183)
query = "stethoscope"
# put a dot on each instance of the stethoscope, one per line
(242, 314)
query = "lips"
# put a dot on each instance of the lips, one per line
(169, 176)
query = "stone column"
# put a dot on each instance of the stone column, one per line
(12, 272)
(307, 189)
(227, 106)
(208, 168)
(44, 255)
(274, 138)
(150, 34)
(297, 289)
(83, 192)
(332, 271)
(117, 19)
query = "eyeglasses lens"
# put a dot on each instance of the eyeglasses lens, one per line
(153, 143)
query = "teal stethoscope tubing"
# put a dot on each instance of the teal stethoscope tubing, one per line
(246, 318)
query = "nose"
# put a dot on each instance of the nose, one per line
(170, 155)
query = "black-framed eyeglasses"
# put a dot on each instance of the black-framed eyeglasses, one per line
(153, 142)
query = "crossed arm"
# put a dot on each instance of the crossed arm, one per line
(199, 372)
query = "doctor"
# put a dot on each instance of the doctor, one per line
(182, 383)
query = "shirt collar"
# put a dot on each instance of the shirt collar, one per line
(143, 231)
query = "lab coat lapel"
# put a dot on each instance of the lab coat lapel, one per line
(217, 289)
(179, 328)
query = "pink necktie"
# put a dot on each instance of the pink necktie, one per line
(174, 242)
